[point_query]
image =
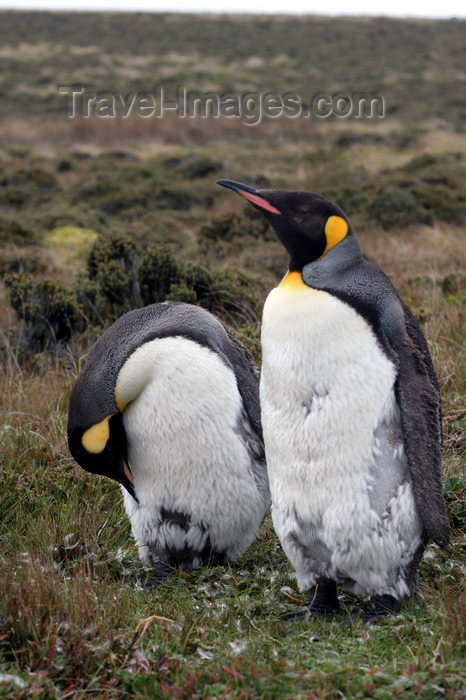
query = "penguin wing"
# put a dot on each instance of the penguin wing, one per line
(368, 290)
(247, 378)
(418, 397)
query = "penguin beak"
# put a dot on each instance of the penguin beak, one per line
(250, 194)
(128, 482)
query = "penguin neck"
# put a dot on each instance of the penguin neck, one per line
(346, 254)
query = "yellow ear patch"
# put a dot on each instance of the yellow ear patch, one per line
(95, 438)
(336, 229)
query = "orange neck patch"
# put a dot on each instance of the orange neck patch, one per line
(292, 282)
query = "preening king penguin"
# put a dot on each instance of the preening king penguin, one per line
(350, 411)
(168, 405)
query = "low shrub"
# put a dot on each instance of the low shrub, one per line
(49, 312)
(192, 167)
(11, 231)
(158, 272)
(110, 285)
(394, 207)
(230, 226)
(226, 292)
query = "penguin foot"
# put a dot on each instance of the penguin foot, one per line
(293, 614)
(160, 571)
(152, 579)
(383, 605)
(323, 599)
(212, 559)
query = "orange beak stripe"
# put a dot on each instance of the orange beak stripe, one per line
(127, 471)
(258, 201)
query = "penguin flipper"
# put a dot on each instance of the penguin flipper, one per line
(418, 397)
(247, 378)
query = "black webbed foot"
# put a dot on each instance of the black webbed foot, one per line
(323, 601)
(383, 605)
(213, 559)
(161, 570)
(293, 614)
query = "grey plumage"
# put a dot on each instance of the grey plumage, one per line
(344, 273)
(168, 405)
(94, 390)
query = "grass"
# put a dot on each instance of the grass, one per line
(75, 618)
(75, 621)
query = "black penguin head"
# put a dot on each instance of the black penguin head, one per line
(307, 224)
(97, 439)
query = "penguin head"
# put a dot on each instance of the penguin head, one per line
(96, 436)
(307, 224)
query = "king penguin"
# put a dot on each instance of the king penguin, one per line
(350, 411)
(168, 405)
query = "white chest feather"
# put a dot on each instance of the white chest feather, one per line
(332, 436)
(188, 447)
(326, 379)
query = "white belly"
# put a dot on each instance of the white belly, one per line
(341, 495)
(186, 449)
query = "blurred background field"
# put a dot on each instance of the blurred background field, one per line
(101, 215)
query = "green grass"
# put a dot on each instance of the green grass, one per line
(75, 619)
(76, 622)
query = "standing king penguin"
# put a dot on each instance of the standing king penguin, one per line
(168, 405)
(350, 411)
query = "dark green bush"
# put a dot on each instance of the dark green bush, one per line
(121, 155)
(115, 203)
(174, 198)
(181, 292)
(227, 292)
(13, 197)
(192, 167)
(426, 160)
(91, 189)
(225, 227)
(64, 165)
(158, 271)
(12, 231)
(49, 312)
(111, 247)
(352, 200)
(229, 226)
(160, 227)
(394, 207)
(453, 283)
(110, 284)
(442, 202)
(201, 281)
(233, 296)
(32, 259)
(35, 177)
